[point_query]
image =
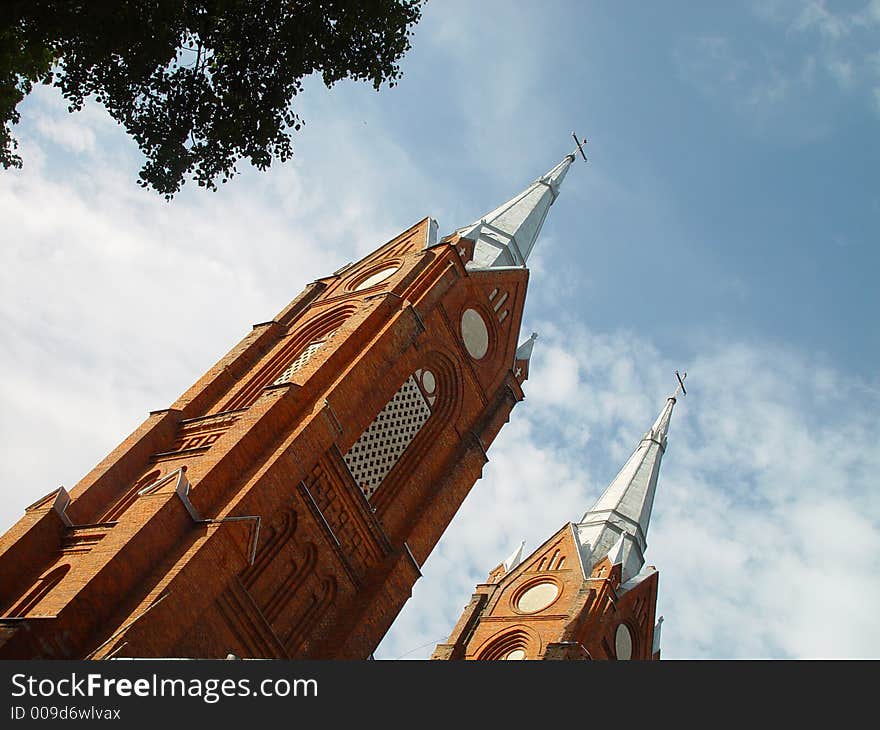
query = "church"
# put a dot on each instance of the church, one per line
(283, 506)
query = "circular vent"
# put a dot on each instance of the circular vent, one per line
(474, 333)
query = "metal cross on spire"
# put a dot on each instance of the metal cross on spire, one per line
(506, 235)
(680, 386)
(579, 145)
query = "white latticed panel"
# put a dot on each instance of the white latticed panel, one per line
(301, 361)
(376, 452)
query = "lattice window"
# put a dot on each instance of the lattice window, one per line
(379, 448)
(302, 359)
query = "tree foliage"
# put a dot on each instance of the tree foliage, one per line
(199, 84)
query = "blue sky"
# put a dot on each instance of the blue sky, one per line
(726, 224)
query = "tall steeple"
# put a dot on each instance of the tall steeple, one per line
(623, 512)
(507, 235)
(582, 593)
(316, 466)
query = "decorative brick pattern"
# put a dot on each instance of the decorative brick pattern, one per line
(326, 494)
(201, 433)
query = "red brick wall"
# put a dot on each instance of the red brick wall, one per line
(331, 570)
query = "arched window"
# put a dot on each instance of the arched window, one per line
(290, 356)
(39, 590)
(303, 358)
(380, 447)
(511, 646)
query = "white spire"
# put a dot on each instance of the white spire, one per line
(615, 554)
(524, 351)
(514, 559)
(506, 236)
(625, 506)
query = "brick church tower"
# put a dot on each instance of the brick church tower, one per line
(584, 593)
(282, 506)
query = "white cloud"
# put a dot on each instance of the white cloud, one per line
(115, 301)
(67, 131)
(494, 60)
(769, 78)
(841, 71)
(815, 16)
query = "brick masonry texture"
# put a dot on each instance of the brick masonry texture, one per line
(230, 523)
(581, 623)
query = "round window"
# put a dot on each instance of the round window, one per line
(376, 278)
(623, 643)
(516, 654)
(474, 333)
(538, 597)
